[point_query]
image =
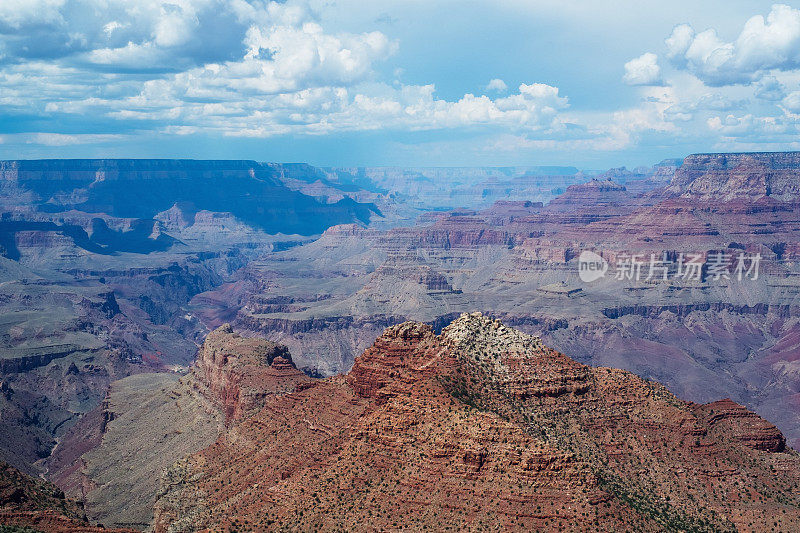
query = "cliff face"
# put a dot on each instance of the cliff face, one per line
(114, 459)
(484, 427)
(591, 195)
(240, 373)
(142, 188)
(744, 175)
(144, 236)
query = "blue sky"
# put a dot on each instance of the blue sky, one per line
(412, 83)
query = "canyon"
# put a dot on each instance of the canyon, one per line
(159, 317)
(705, 338)
(100, 258)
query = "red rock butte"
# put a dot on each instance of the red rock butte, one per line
(239, 372)
(480, 428)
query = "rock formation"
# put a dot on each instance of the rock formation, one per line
(98, 259)
(741, 175)
(96, 287)
(240, 373)
(141, 188)
(485, 428)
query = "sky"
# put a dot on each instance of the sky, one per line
(594, 84)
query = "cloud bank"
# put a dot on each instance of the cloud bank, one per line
(84, 72)
(235, 68)
(764, 44)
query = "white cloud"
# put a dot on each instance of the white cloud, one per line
(286, 57)
(131, 55)
(678, 42)
(792, 101)
(19, 13)
(770, 88)
(732, 94)
(497, 85)
(258, 68)
(687, 109)
(191, 31)
(535, 107)
(175, 26)
(153, 60)
(748, 126)
(109, 28)
(60, 139)
(288, 75)
(763, 45)
(643, 70)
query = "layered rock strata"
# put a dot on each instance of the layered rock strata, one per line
(485, 428)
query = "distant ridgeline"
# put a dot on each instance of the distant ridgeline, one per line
(739, 175)
(142, 188)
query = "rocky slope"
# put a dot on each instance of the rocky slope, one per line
(140, 189)
(149, 421)
(101, 257)
(90, 297)
(744, 175)
(32, 505)
(485, 428)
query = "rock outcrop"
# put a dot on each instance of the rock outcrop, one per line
(147, 422)
(241, 372)
(741, 175)
(141, 188)
(704, 338)
(728, 418)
